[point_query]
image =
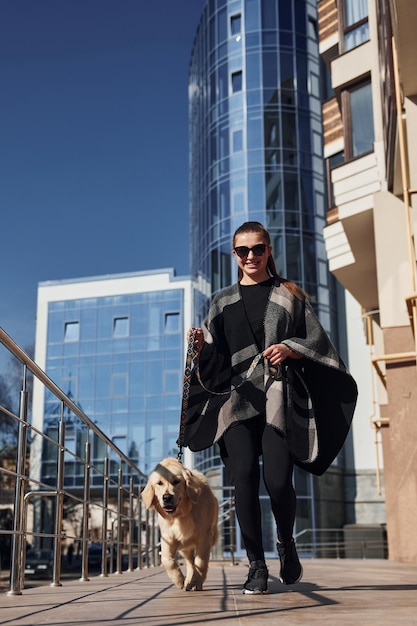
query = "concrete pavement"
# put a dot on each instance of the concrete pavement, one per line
(333, 592)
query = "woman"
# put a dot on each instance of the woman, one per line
(275, 408)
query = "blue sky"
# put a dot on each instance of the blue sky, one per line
(94, 143)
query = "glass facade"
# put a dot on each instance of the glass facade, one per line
(256, 152)
(121, 359)
(256, 140)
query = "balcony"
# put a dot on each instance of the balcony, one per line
(349, 235)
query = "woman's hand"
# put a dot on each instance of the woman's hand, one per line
(278, 352)
(198, 337)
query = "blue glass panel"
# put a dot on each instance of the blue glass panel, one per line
(104, 322)
(286, 70)
(270, 69)
(136, 403)
(173, 341)
(171, 382)
(86, 382)
(252, 17)
(269, 39)
(103, 380)
(253, 99)
(87, 348)
(120, 405)
(253, 40)
(255, 159)
(102, 406)
(254, 131)
(285, 15)
(256, 191)
(55, 351)
(222, 32)
(253, 71)
(120, 346)
(71, 349)
(222, 78)
(237, 140)
(104, 347)
(138, 320)
(119, 385)
(56, 327)
(269, 13)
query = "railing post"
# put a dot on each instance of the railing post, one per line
(16, 575)
(139, 564)
(131, 524)
(104, 518)
(147, 537)
(86, 512)
(119, 521)
(59, 500)
(155, 549)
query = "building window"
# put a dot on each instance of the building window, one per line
(72, 331)
(358, 121)
(237, 82)
(172, 322)
(235, 25)
(355, 25)
(121, 327)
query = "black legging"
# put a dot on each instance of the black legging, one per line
(241, 447)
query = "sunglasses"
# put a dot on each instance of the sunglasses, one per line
(243, 251)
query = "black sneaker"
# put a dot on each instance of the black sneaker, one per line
(291, 569)
(257, 581)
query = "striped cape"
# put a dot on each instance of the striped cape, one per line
(311, 401)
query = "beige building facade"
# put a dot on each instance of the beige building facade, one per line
(369, 48)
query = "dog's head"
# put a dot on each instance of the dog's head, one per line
(171, 489)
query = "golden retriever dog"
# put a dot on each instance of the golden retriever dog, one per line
(187, 512)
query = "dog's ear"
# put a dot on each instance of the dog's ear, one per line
(192, 485)
(148, 495)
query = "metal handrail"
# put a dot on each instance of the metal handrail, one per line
(28, 486)
(342, 543)
(126, 508)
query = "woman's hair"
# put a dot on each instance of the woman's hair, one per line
(257, 227)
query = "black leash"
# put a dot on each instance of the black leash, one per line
(191, 364)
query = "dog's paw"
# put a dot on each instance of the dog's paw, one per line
(195, 584)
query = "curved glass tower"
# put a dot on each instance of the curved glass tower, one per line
(256, 154)
(256, 140)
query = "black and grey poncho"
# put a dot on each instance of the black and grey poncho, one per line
(311, 401)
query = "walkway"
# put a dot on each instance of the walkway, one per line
(332, 592)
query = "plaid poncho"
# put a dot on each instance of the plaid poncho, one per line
(311, 401)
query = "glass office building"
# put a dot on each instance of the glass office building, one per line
(256, 154)
(256, 139)
(115, 345)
